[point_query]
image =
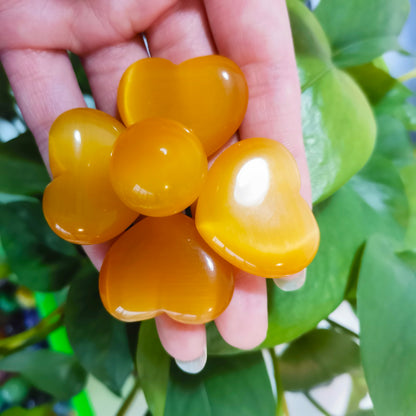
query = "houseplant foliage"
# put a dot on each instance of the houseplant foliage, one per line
(356, 123)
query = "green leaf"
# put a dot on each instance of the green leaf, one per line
(336, 117)
(361, 31)
(393, 141)
(374, 201)
(226, 387)
(408, 175)
(339, 129)
(153, 366)
(45, 410)
(395, 103)
(7, 101)
(41, 260)
(308, 35)
(373, 80)
(80, 73)
(98, 340)
(387, 310)
(317, 357)
(381, 188)
(359, 390)
(22, 171)
(58, 374)
(362, 412)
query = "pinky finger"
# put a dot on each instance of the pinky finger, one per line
(244, 323)
(185, 343)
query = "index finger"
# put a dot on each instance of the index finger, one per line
(256, 35)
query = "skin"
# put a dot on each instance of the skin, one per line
(104, 33)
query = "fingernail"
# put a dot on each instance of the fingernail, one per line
(193, 366)
(292, 282)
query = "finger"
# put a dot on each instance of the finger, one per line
(180, 34)
(45, 86)
(244, 323)
(97, 252)
(104, 69)
(265, 54)
(183, 342)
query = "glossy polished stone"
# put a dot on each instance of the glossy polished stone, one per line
(158, 167)
(251, 213)
(208, 95)
(80, 204)
(163, 265)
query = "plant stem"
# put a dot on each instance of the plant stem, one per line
(342, 328)
(281, 405)
(129, 399)
(316, 404)
(33, 335)
(409, 75)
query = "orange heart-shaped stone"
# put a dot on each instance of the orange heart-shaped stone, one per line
(163, 265)
(80, 204)
(208, 95)
(251, 213)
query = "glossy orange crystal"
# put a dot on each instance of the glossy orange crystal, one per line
(251, 213)
(163, 265)
(158, 167)
(80, 204)
(208, 95)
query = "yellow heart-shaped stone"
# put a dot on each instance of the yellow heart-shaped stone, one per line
(251, 213)
(208, 95)
(162, 265)
(80, 204)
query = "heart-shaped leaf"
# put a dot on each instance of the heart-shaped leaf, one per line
(337, 121)
(336, 117)
(234, 386)
(386, 309)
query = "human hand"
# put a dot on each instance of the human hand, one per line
(104, 33)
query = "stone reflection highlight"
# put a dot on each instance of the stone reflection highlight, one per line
(252, 183)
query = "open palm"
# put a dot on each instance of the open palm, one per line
(255, 34)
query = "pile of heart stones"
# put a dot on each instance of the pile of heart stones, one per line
(129, 183)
